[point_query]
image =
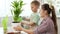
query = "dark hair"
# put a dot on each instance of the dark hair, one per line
(51, 10)
(54, 19)
(35, 2)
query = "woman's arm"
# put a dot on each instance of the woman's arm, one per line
(43, 27)
(19, 28)
(29, 31)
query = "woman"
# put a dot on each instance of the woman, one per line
(48, 23)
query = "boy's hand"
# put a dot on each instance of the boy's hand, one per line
(24, 22)
(18, 28)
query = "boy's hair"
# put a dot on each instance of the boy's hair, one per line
(35, 2)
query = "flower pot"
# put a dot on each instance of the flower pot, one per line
(15, 25)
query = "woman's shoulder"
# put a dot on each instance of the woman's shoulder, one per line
(49, 20)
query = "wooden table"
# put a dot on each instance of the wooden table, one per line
(9, 30)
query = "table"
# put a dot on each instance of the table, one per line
(1, 30)
(9, 30)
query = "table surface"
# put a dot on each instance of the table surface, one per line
(9, 30)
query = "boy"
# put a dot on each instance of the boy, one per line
(34, 18)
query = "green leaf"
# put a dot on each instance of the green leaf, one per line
(19, 19)
(15, 4)
(4, 22)
(17, 10)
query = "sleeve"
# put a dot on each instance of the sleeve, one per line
(42, 28)
(36, 19)
(36, 31)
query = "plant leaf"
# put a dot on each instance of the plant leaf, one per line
(4, 22)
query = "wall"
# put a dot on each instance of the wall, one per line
(58, 22)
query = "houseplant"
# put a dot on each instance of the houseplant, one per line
(16, 11)
(4, 23)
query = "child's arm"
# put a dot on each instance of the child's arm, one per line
(28, 23)
(24, 18)
(25, 22)
(28, 19)
(31, 24)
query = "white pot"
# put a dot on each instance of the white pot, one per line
(15, 25)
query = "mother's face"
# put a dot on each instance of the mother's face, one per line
(42, 12)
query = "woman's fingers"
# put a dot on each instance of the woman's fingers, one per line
(18, 28)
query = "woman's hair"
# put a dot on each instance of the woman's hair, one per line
(50, 9)
(35, 2)
(54, 18)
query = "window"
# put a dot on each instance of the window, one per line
(5, 8)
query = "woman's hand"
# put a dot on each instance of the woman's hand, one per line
(18, 28)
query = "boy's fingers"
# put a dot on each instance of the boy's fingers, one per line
(15, 28)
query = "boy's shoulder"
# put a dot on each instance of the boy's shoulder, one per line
(35, 14)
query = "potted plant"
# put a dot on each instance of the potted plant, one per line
(16, 11)
(4, 23)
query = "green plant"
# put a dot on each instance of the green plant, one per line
(17, 9)
(4, 22)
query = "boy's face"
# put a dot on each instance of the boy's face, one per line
(34, 7)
